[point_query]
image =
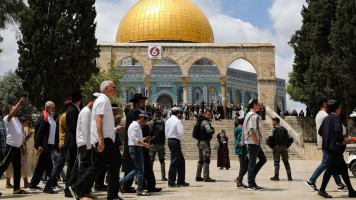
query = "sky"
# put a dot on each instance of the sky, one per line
(232, 21)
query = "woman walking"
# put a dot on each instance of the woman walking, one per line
(223, 152)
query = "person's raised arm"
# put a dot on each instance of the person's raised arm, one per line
(15, 109)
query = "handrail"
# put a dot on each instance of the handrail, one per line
(298, 137)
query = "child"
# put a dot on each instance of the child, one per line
(241, 151)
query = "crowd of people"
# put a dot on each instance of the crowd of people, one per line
(88, 141)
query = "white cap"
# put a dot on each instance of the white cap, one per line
(175, 109)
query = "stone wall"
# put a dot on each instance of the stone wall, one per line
(304, 125)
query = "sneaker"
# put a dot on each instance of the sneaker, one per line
(30, 187)
(259, 188)
(312, 186)
(199, 179)
(342, 188)
(184, 184)
(57, 187)
(275, 178)
(324, 194)
(43, 182)
(250, 188)
(209, 180)
(50, 191)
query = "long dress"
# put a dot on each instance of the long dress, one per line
(223, 152)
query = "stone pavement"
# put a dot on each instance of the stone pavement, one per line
(223, 188)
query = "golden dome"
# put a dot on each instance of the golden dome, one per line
(165, 20)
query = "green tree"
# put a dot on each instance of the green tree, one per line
(11, 91)
(343, 43)
(58, 48)
(311, 75)
(93, 85)
(9, 13)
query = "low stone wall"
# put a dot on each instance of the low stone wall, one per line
(304, 125)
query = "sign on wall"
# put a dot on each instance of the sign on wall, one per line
(154, 52)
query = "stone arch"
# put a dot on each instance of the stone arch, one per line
(177, 70)
(231, 61)
(116, 63)
(195, 70)
(201, 58)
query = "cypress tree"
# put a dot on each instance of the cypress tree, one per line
(58, 48)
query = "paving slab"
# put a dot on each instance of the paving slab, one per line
(223, 188)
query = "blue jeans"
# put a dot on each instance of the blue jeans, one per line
(58, 168)
(136, 153)
(254, 152)
(321, 168)
(55, 159)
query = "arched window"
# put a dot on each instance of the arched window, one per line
(228, 96)
(197, 95)
(130, 94)
(237, 97)
(180, 95)
(212, 95)
(247, 97)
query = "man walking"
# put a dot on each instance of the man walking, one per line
(206, 134)
(45, 131)
(138, 101)
(136, 143)
(102, 137)
(322, 101)
(52, 181)
(334, 145)
(157, 143)
(14, 141)
(252, 137)
(282, 141)
(175, 133)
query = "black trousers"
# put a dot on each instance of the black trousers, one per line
(12, 155)
(44, 164)
(278, 151)
(336, 166)
(177, 163)
(243, 167)
(101, 160)
(149, 179)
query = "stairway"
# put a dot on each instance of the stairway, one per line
(189, 144)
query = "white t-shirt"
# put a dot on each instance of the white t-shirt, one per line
(252, 124)
(83, 128)
(318, 121)
(15, 135)
(102, 106)
(134, 134)
(52, 129)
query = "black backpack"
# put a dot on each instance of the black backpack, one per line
(281, 136)
(197, 129)
(158, 131)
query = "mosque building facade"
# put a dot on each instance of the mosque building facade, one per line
(180, 21)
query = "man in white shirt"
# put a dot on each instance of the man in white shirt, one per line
(14, 141)
(102, 136)
(252, 137)
(45, 131)
(175, 133)
(135, 143)
(322, 101)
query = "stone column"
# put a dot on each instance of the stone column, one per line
(147, 79)
(185, 81)
(267, 93)
(223, 81)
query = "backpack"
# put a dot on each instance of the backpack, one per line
(197, 129)
(158, 131)
(281, 136)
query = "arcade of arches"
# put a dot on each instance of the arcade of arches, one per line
(185, 56)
